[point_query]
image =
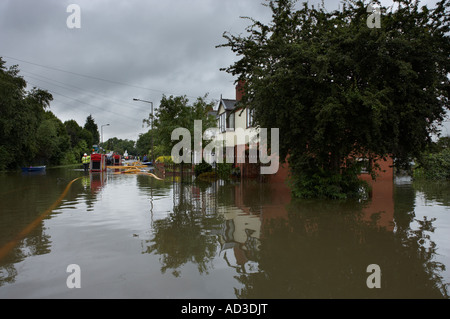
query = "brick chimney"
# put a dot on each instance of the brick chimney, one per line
(240, 90)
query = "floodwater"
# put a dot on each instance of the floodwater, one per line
(133, 236)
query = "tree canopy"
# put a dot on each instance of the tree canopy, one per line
(30, 133)
(92, 127)
(121, 145)
(177, 112)
(338, 88)
(21, 114)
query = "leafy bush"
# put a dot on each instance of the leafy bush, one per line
(5, 158)
(69, 158)
(207, 176)
(325, 185)
(434, 166)
(224, 170)
(164, 159)
(203, 167)
(236, 172)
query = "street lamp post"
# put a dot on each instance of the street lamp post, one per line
(101, 129)
(151, 127)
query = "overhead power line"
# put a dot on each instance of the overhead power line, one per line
(84, 75)
(83, 102)
(70, 87)
(96, 78)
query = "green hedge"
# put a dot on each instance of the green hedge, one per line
(164, 159)
(203, 167)
(434, 166)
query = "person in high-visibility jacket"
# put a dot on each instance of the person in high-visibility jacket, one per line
(86, 159)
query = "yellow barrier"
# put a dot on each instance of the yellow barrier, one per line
(151, 174)
(136, 171)
(125, 167)
(133, 169)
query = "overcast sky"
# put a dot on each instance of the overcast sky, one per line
(124, 49)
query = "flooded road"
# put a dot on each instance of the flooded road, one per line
(133, 236)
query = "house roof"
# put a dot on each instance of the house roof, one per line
(228, 104)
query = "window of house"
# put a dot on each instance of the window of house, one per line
(365, 165)
(226, 122)
(230, 121)
(250, 113)
(222, 122)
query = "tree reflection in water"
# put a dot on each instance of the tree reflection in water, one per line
(323, 248)
(185, 235)
(300, 249)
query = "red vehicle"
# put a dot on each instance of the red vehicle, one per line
(117, 160)
(98, 162)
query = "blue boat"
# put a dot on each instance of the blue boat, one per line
(33, 169)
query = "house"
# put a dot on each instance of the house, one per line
(236, 128)
(232, 118)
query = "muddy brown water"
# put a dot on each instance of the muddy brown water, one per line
(132, 236)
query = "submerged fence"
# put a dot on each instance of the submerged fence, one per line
(183, 170)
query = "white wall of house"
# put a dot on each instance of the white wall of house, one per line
(239, 134)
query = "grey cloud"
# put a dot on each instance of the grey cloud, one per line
(152, 47)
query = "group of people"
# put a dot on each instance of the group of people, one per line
(86, 160)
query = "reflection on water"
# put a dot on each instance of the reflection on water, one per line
(135, 236)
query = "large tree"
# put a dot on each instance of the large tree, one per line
(81, 141)
(120, 146)
(337, 87)
(52, 140)
(21, 113)
(177, 112)
(30, 134)
(92, 127)
(144, 144)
